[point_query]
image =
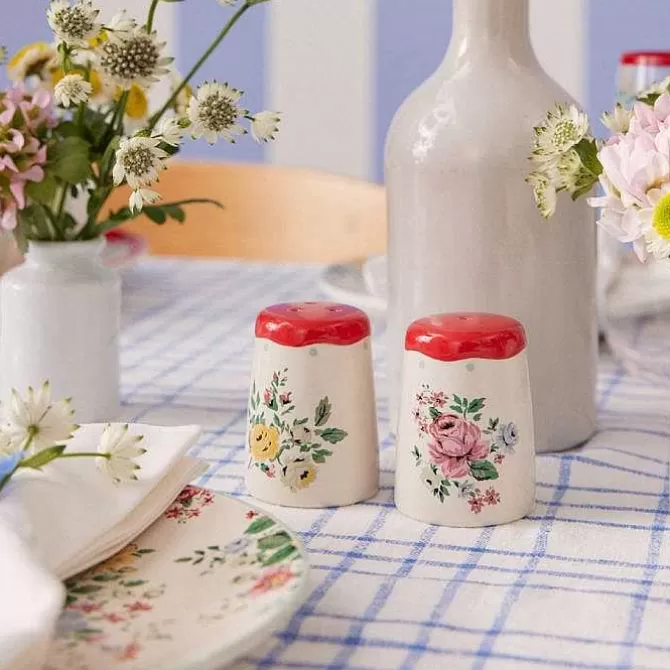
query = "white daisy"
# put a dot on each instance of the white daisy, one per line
(214, 112)
(265, 126)
(563, 127)
(117, 450)
(138, 161)
(169, 131)
(657, 245)
(133, 59)
(141, 196)
(120, 28)
(72, 89)
(74, 24)
(36, 423)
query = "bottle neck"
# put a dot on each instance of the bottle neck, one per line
(485, 28)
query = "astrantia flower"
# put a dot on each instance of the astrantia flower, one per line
(141, 196)
(74, 24)
(214, 112)
(72, 89)
(120, 28)
(36, 423)
(265, 126)
(139, 161)
(619, 121)
(169, 131)
(33, 60)
(117, 450)
(544, 192)
(563, 127)
(134, 59)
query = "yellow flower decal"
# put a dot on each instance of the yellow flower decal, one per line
(301, 475)
(263, 442)
(122, 561)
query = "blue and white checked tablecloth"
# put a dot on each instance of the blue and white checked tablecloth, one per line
(583, 583)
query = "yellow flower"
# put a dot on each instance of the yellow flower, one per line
(137, 107)
(263, 442)
(36, 59)
(661, 217)
(101, 38)
(121, 561)
(299, 474)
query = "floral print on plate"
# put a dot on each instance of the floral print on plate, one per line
(180, 586)
(459, 449)
(284, 445)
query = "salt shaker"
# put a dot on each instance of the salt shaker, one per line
(312, 428)
(465, 446)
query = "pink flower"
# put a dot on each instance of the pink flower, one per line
(491, 497)
(476, 504)
(138, 606)
(273, 579)
(267, 396)
(498, 459)
(455, 443)
(285, 398)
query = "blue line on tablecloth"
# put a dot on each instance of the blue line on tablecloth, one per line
(640, 602)
(535, 556)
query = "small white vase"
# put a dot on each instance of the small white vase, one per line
(464, 232)
(60, 315)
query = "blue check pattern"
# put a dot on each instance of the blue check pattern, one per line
(582, 583)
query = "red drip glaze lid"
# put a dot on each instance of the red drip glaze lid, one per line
(301, 324)
(652, 58)
(459, 336)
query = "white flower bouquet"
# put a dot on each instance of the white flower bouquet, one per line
(632, 166)
(77, 123)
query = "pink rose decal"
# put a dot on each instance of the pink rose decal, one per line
(454, 443)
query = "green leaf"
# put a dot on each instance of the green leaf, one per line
(70, 160)
(156, 214)
(175, 212)
(588, 153)
(434, 413)
(107, 577)
(43, 457)
(185, 559)
(135, 582)
(458, 400)
(322, 412)
(476, 417)
(456, 408)
(85, 589)
(274, 541)
(145, 551)
(333, 435)
(43, 191)
(318, 458)
(482, 470)
(475, 405)
(214, 547)
(259, 525)
(281, 555)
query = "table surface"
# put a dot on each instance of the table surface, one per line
(582, 583)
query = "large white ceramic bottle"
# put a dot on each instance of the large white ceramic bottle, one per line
(464, 232)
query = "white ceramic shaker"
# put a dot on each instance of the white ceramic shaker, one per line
(312, 428)
(465, 452)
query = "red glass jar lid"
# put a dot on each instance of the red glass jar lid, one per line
(459, 336)
(299, 324)
(651, 58)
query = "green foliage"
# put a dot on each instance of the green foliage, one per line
(483, 470)
(70, 160)
(322, 412)
(41, 458)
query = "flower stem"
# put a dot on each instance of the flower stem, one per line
(152, 12)
(210, 50)
(84, 454)
(60, 209)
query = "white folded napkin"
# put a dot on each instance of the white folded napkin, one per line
(70, 516)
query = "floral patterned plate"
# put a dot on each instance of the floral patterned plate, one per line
(207, 582)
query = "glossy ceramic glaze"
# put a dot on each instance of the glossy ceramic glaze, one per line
(464, 231)
(60, 322)
(465, 449)
(457, 337)
(312, 425)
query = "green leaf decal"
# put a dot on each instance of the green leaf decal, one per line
(274, 541)
(323, 411)
(85, 589)
(435, 413)
(281, 555)
(476, 405)
(482, 470)
(333, 435)
(184, 559)
(259, 525)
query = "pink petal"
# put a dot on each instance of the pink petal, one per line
(17, 189)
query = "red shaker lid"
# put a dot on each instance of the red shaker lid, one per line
(459, 336)
(650, 58)
(300, 324)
